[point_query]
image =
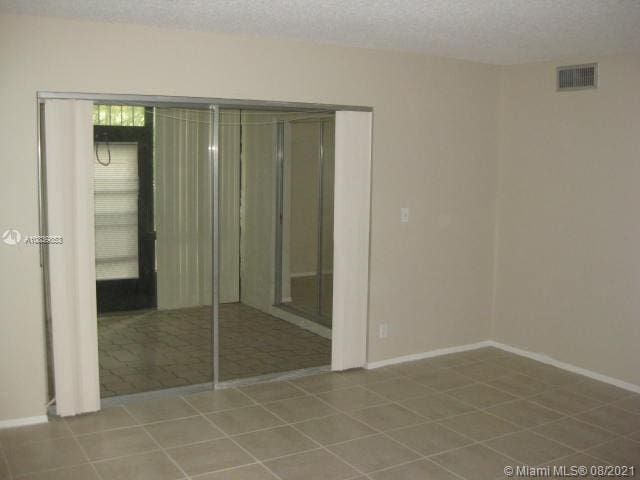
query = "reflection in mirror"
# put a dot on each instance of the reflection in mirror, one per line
(260, 336)
(307, 219)
(153, 243)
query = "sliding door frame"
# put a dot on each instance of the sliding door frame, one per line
(214, 105)
(214, 165)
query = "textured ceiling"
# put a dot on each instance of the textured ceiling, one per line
(491, 31)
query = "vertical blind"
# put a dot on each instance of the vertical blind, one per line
(116, 187)
(68, 130)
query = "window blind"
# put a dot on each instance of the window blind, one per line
(116, 187)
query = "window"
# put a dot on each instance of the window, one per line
(116, 211)
(118, 115)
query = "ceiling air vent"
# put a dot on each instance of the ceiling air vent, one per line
(577, 77)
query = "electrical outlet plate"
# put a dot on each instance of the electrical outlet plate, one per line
(384, 330)
(404, 214)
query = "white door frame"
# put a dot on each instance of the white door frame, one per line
(351, 232)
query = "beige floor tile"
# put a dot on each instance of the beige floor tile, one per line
(273, 391)
(621, 451)
(443, 380)
(334, 429)
(529, 448)
(451, 360)
(579, 458)
(573, 461)
(429, 438)
(105, 419)
(148, 466)
(174, 433)
(116, 443)
(480, 425)
(613, 419)
(475, 462)
(275, 442)
(516, 362)
(519, 385)
(313, 465)
(54, 428)
(247, 472)
(159, 410)
(488, 353)
(524, 413)
(593, 427)
(80, 472)
(300, 408)
(209, 456)
(437, 406)
(481, 372)
(565, 401)
(374, 453)
(4, 467)
(417, 368)
(246, 419)
(576, 434)
(480, 396)
(630, 404)
(213, 401)
(325, 382)
(598, 390)
(419, 470)
(553, 375)
(362, 376)
(399, 389)
(349, 399)
(48, 454)
(387, 417)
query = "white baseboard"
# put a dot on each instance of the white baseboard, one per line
(23, 422)
(302, 274)
(543, 358)
(303, 323)
(309, 274)
(429, 354)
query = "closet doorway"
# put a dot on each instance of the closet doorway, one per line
(181, 215)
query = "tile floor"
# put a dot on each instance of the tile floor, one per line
(460, 416)
(153, 350)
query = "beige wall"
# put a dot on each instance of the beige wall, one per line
(568, 243)
(435, 130)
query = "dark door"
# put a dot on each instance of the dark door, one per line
(120, 226)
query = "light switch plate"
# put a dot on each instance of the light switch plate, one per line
(384, 330)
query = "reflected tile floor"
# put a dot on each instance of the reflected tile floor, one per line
(159, 349)
(395, 423)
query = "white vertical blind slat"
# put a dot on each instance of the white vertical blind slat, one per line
(70, 213)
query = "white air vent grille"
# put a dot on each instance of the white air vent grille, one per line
(577, 77)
